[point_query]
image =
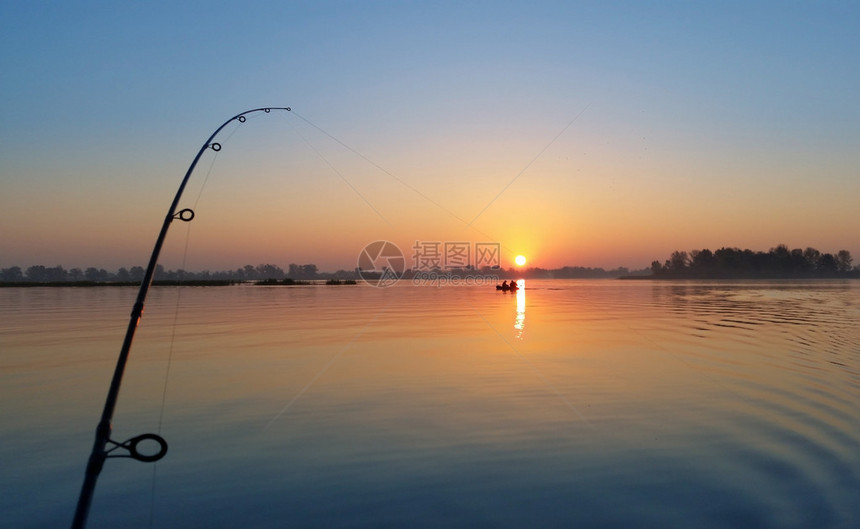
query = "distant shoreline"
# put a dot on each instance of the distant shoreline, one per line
(87, 284)
(176, 283)
(321, 282)
(743, 278)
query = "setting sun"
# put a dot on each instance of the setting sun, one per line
(520, 260)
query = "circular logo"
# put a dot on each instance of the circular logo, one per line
(381, 264)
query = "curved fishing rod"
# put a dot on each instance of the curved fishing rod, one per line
(100, 451)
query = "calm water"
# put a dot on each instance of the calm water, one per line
(572, 404)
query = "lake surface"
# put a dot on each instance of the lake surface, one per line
(598, 403)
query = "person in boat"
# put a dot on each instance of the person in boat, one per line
(505, 284)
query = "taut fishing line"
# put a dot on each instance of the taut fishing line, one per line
(338, 173)
(400, 180)
(470, 225)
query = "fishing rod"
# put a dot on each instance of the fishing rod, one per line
(100, 450)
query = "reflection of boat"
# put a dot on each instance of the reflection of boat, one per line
(512, 287)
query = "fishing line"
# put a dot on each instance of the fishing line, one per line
(402, 182)
(371, 162)
(338, 173)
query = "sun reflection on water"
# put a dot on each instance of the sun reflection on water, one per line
(520, 321)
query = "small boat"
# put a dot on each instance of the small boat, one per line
(505, 287)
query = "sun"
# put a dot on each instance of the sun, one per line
(520, 260)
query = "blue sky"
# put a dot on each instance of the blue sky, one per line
(687, 110)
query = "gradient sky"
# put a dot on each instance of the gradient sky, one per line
(622, 130)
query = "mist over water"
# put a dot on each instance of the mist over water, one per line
(595, 403)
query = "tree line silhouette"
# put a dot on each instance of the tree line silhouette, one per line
(734, 263)
(58, 274)
(264, 272)
(725, 263)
